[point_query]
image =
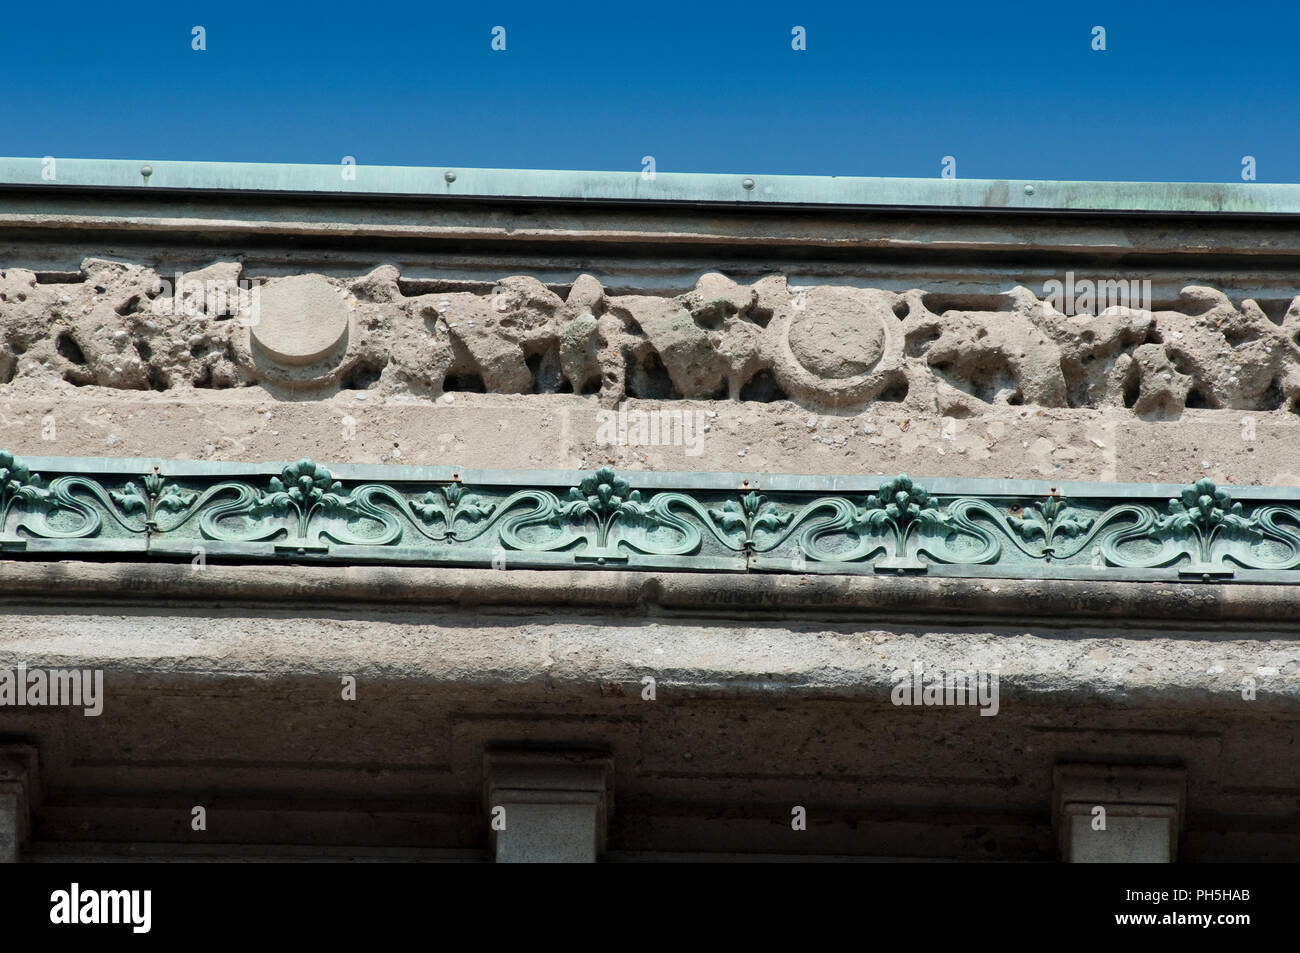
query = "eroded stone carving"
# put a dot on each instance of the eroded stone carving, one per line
(823, 347)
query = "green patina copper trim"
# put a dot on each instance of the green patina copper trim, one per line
(606, 520)
(1239, 198)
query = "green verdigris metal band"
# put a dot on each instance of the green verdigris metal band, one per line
(1239, 198)
(303, 511)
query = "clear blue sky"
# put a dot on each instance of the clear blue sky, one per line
(1182, 92)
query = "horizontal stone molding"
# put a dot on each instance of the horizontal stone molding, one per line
(1186, 605)
(567, 639)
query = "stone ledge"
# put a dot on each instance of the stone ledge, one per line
(596, 662)
(810, 596)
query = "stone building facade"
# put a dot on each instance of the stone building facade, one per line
(460, 515)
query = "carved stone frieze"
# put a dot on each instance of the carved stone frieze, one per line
(821, 347)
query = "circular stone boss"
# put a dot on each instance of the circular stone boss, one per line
(300, 320)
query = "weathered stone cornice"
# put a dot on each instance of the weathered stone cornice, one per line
(1188, 607)
(602, 520)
